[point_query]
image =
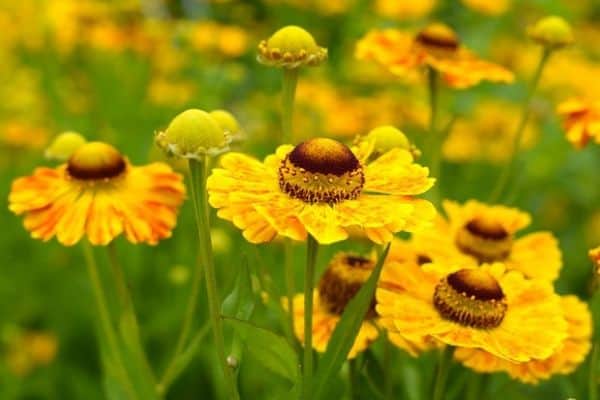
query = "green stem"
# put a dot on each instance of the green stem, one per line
(442, 373)
(107, 331)
(434, 146)
(290, 287)
(388, 386)
(593, 378)
(198, 171)
(288, 92)
(509, 167)
(309, 275)
(352, 378)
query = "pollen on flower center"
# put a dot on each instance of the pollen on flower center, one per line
(486, 240)
(438, 37)
(321, 171)
(471, 297)
(96, 161)
(341, 281)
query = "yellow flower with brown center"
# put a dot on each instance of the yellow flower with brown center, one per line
(484, 307)
(437, 46)
(321, 188)
(581, 121)
(475, 233)
(99, 194)
(291, 47)
(345, 275)
(564, 360)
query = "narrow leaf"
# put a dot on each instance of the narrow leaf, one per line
(272, 350)
(345, 332)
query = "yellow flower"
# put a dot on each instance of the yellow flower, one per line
(30, 349)
(477, 307)
(487, 134)
(552, 32)
(564, 360)
(476, 232)
(496, 7)
(291, 47)
(581, 121)
(595, 257)
(404, 10)
(339, 284)
(98, 193)
(320, 187)
(437, 46)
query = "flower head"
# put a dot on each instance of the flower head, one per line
(320, 187)
(436, 46)
(482, 307)
(291, 47)
(383, 139)
(345, 275)
(551, 32)
(477, 233)
(193, 134)
(64, 145)
(564, 360)
(99, 194)
(581, 121)
(228, 123)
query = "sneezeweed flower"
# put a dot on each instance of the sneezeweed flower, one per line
(228, 123)
(291, 47)
(29, 350)
(483, 307)
(581, 121)
(193, 134)
(497, 7)
(551, 32)
(64, 145)
(564, 360)
(595, 257)
(98, 194)
(404, 10)
(438, 47)
(477, 233)
(345, 275)
(321, 187)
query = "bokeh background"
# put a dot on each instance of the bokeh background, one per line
(120, 70)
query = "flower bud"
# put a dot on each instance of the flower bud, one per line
(228, 123)
(291, 47)
(193, 134)
(551, 32)
(385, 138)
(64, 145)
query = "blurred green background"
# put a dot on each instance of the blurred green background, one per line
(120, 70)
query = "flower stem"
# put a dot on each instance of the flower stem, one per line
(309, 275)
(442, 373)
(593, 378)
(198, 171)
(388, 384)
(107, 331)
(288, 92)
(290, 287)
(509, 167)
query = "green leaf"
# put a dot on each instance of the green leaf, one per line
(272, 350)
(345, 332)
(240, 302)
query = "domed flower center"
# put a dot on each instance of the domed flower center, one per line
(438, 37)
(96, 161)
(342, 280)
(470, 297)
(321, 171)
(484, 239)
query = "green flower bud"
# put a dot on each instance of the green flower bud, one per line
(291, 47)
(64, 145)
(552, 32)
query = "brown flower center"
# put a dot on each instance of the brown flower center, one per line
(438, 37)
(96, 161)
(321, 171)
(342, 280)
(484, 239)
(470, 297)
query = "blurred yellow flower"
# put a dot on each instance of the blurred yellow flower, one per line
(437, 46)
(342, 280)
(321, 188)
(581, 121)
(29, 350)
(227, 40)
(484, 307)
(564, 360)
(477, 232)
(595, 257)
(496, 7)
(19, 134)
(404, 10)
(98, 193)
(487, 134)
(169, 92)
